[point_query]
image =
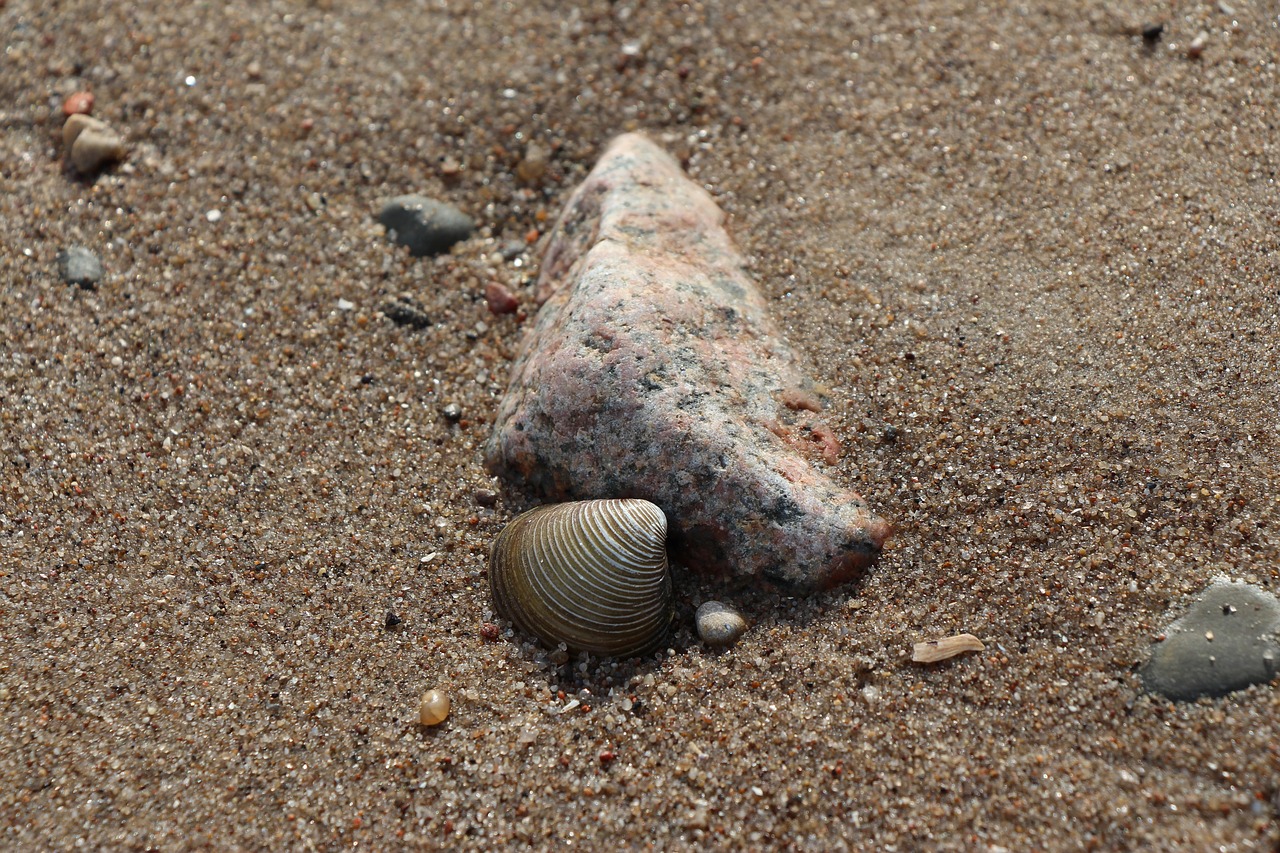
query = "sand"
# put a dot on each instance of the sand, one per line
(1033, 257)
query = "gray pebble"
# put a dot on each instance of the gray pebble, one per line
(452, 413)
(719, 624)
(77, 265)
(1229, 639)
(426, 226)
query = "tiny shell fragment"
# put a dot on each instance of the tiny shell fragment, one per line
(947, 647)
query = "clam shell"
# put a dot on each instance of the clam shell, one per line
(590, 574)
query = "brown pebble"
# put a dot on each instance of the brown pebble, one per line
(1197, 46)
(490, 631)
(434, 708)
(90, 143)
(947, 647)
(486, 497)
(534, 164)
(500, 299)
(78, 103)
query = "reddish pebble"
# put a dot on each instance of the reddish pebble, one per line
(489, 631)
(607, 755)
(501, 300)
(78, 103)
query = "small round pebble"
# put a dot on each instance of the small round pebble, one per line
(500, 299)
(718, 624)
(434, 708)
(426, 226)
(78, 103)
(77, 265)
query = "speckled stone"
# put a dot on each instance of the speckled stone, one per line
(1229, 639)
(654, 371)
(426, 226)
(718, 624)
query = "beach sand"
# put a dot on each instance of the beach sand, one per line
(1032, 256)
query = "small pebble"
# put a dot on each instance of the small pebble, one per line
(77, 265)
(404, 310)
(1229, 639)
(1151, 32)
(78, 103)
(534, 164)
(91, 144)
(486, 497)
(452, 413)
(719, 625)
(500, 299)
(434, 708)
(1197, 46)
(426, 226)
(391, 621)
(490, 631)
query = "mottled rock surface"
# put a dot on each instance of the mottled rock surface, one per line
(1229, 639)
(654, 371)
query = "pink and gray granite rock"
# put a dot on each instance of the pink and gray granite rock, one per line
(654, 371)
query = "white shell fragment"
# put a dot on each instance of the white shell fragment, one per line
(590, 574)
(90, 143)
(718, 624)
(947, 647)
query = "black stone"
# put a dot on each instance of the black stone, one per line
(426, 226)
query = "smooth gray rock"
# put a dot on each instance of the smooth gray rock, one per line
(1229, 639)
(77, 265)
(426, 226)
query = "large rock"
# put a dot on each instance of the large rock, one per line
(653, 371)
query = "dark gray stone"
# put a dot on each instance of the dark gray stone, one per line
(1229, 639)
(77, 265)
(426, 226)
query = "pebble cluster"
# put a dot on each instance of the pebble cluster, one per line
(1031, 256)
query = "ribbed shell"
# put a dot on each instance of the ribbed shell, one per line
(590, 574)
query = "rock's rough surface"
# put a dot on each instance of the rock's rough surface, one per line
(426, 226)
(77, 265)
(1229, 639)
(653, 371)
